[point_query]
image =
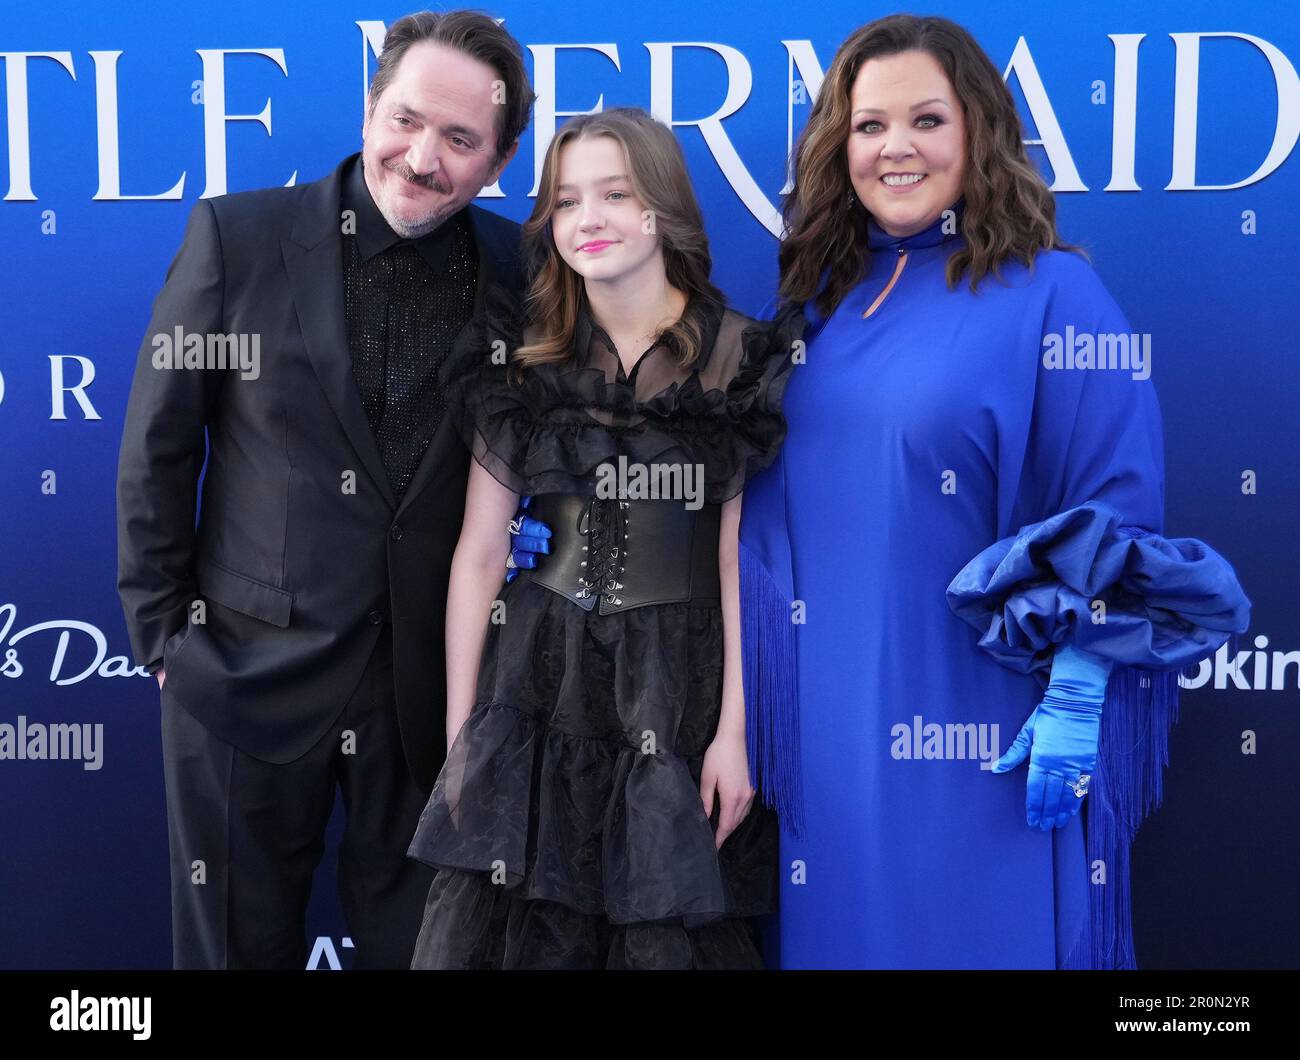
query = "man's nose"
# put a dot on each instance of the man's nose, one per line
(422, 155)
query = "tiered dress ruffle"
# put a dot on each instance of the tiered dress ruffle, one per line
(533, 430)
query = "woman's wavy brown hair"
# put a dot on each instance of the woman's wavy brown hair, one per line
(1009, 211)
(657, 171)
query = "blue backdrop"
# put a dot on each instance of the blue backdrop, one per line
(1167, 131)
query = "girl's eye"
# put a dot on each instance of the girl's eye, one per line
(564, 204)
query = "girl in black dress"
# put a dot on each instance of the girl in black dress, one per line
(596, 807)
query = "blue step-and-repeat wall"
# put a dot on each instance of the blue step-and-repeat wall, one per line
(1168, 133)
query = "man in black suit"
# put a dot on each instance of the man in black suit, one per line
(297, 630)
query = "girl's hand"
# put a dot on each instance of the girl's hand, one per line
(726, 775)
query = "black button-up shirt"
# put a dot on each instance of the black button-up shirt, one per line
(405, 301)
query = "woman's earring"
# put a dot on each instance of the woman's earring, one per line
(848, 203)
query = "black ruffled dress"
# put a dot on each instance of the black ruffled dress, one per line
(560, 842)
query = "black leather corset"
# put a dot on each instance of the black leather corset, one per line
(628, 553)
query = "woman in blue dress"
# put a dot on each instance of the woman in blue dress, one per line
(966, 448)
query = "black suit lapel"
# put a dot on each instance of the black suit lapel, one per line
(498, 258)
(313, 258)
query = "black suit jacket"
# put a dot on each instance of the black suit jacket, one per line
(297, 575)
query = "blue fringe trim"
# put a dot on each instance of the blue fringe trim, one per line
(1141, 707)
(767, 638)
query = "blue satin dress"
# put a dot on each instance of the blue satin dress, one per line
(946, 509)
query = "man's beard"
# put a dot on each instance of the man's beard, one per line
(408, 229)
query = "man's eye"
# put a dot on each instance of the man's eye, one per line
(400, 118)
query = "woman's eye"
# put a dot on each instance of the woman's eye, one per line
(564, 204)
(618, 194)
(933, 121)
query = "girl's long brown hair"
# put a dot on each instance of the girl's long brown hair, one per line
(1009, 211)
(657, 171)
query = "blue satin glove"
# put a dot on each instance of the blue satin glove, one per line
(1060, 738)
(531, 539)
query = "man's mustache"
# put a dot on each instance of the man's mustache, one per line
(407, 173)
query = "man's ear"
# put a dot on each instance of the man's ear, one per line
(367, 114)
(505, 161)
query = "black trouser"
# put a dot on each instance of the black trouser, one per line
(246, 837)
